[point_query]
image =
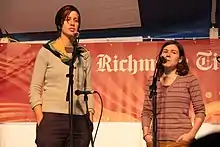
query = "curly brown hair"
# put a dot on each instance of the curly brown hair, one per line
(182, 67)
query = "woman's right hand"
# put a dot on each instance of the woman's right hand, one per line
(148, 138)
(39, 119)
(38, 113)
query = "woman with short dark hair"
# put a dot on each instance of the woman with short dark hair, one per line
(49, 86)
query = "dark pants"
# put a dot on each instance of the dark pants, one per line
(54, 130)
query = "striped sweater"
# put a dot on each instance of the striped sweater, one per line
(173, 104)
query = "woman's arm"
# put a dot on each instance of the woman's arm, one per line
(36, 84)
(146, 115)
(198, 105)
(89, 87)
(199, 110)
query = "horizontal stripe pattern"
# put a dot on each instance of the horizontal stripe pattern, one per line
(173, 104)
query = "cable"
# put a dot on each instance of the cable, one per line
(99, 116)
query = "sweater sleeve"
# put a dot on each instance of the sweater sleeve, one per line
(196, 97)
(147, 113)
(88, 85)
(37, 79)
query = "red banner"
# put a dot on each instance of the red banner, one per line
(120, 72)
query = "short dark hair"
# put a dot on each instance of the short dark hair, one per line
(182, 67)
(63, 13)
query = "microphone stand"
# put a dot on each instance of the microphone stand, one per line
(153, 96)
(69, 97)
(88, 119)
(218, 59)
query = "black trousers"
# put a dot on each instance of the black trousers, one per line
(54, 130)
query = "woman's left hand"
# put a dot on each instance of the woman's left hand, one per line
(186, 137)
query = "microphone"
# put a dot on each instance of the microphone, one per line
(162, 59)
(218, 59)
(76, 35)
(79, 92)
